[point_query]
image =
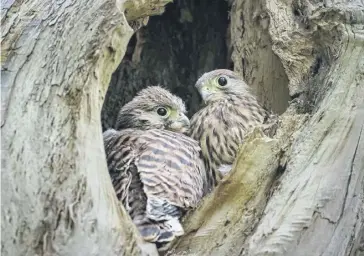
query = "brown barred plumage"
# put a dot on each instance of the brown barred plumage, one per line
(157, 174)
(231, 110)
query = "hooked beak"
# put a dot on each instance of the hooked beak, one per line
(205, 94)
(182, 124)
(205, 91)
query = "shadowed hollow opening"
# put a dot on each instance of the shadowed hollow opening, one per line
(173, 50)
(193, 37)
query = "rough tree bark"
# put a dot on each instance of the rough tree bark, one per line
(318, 207)
(57, 59)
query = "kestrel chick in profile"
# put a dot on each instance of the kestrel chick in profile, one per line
(157, 172)
(231, 110)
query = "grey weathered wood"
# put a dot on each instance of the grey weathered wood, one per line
(317, 208)
(253, 55)
(57, 198)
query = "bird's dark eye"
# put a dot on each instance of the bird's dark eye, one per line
(162, 111)
(222, 81)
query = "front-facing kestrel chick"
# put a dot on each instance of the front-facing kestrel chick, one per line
(154, 108)
(231, 110)
(157, 173)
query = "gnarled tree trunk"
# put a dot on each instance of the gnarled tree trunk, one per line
(317, 209)
(57, 61)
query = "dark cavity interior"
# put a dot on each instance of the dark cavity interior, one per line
(173, 50)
